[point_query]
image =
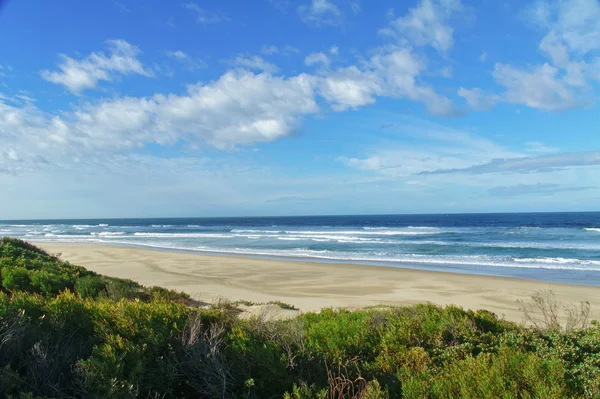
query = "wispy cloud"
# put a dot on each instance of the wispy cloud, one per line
(191, 63)
(477, 99)
(320, 12)
(206, 17)
(83, 74)
(427, 24)
(541, 163)
(269, 50)
(256, 63)
(534, 189)
(317, 59)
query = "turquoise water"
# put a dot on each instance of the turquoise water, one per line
(563, 247)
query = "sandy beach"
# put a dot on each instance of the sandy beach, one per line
(312, 286)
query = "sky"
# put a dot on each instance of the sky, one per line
(148, 108)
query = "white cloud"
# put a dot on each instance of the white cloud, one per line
(180, 55)
(540, 163)
(483, 56)
(320, 12)
(446, 72)
(237, 109)
(555, 49)
(317, 58)
(205, 17)
(477, 99)
(425, 148)
(80, 75)
(355, 6)
(255, 63)
(538, 147)
(540, 87)
(269, 50)
(571, 34)
(350, 88)
(334, 50)
(191, 63)
(392, 72)
(289, 50)
(427, 24)
(576, 23)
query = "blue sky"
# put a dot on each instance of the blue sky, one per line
(136, 108)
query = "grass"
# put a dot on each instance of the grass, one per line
(99, 337)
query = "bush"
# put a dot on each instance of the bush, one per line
(49, 283)
(90, 286)
(16, 279)
(116, 338)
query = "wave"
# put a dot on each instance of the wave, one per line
(596, 229)
(382, 232)
(103, 225)
(559, 261)
(82, 226)
(520, 245)
(475, 260)
(108, 233)
(183, 235)
(387, 258)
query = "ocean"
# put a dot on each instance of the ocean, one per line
(557, 247)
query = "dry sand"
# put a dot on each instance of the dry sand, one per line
(312, 286)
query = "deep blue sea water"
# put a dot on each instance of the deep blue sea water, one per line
(562, 247)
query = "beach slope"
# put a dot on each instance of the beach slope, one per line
(312, 286)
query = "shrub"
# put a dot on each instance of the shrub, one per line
(49, 283)
(545, 312)
(16, 279)
(90, 286)
(116, 338)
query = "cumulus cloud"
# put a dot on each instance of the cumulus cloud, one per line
(574, 24)
(237, 109)
(320, 12)
(390, 73)
(350, 88)
(571, 34)
(540, 87)
(427, 23)
(83, 74)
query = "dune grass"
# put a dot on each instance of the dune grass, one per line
(66, 332)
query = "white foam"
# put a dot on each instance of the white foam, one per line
(183, 235)
(82, 226)
(108, 233)
(596, 229)
(103, 225)
(559, 261)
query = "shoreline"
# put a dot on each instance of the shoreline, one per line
(310, 285)
(543, 275)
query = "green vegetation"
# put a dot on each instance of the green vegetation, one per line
(66, 332)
